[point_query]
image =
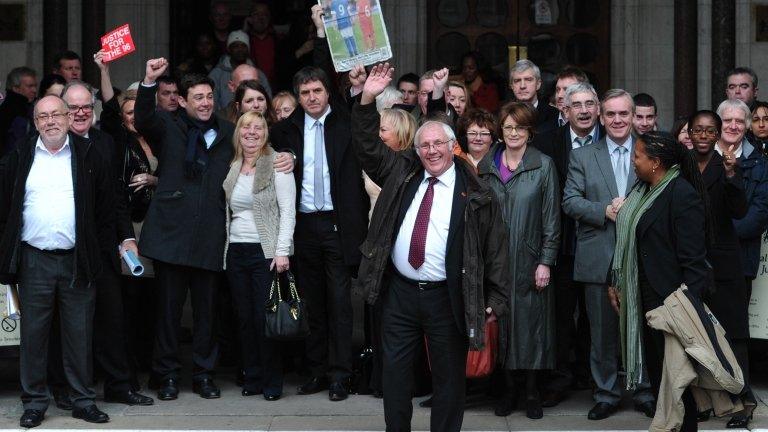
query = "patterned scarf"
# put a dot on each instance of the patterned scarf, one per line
(625, 276)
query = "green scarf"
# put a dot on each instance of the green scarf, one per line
(625, 276)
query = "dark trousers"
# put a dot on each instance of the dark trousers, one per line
(325, 281)
(46, 282)
(408, 314)
(109, 345)
(572, 330)
(139, 296)
(249, 281)
(173, 282)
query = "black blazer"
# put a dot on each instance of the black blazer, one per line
(557, 145)
(671, 241)
(350, 201)
(727, 201)
(546, 117)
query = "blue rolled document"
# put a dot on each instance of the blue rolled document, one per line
(133, 263)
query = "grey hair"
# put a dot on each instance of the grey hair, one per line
(427, 75)
(16, 74)
(617, 93)
(524, 65)
(387, 98)
(76, 83)
(447, 129)
(61, 101)
(736, 104)
(579, 87)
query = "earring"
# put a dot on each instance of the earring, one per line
(653, 170)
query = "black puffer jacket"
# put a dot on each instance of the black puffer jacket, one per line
(476, 261)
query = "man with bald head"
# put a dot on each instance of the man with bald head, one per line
(234, 68)
(56, 206)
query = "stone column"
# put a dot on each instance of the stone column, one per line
(723, 46)
(55, 31)
(93, 12)
(686, 56)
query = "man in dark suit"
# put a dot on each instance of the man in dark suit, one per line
(184, 230)
(331, 224)
(582, 109)
(436, 257)
(56, 209)
(525, 82)
(109, 334)
(599, 177)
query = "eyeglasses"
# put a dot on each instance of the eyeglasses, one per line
(588, 105)
(515, 129)
(701, 131)
(437, 145)
(474, 135)
(56, 116)
(74, 109)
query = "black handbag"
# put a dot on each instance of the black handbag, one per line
(285, 319)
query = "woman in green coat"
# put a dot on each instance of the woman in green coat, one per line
(525, 183)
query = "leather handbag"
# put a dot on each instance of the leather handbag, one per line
(285, 319)
(480, 363)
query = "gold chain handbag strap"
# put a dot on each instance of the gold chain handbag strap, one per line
(292, 286)
(275, 286)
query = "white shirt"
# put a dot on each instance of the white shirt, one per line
(307, 200)
(242, 229)
(737, 152)
(48, 216)
(575, 144)
(433, 268)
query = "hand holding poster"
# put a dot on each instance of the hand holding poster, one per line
(117, 43)
(356, 32)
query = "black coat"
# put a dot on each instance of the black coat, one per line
(94, 206)
(14, 106)
(727, 201)
(350, 201)
(546, 117)
(671, 241)
(185, 221)
(750, 228)
(557, 145)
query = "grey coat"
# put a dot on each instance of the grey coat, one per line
(531, 211)
(589, 189)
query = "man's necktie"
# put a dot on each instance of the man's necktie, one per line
(419, 235)
(319, 184)
(583, 141)
(621, 170)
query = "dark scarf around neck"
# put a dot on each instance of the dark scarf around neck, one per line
(196, 160)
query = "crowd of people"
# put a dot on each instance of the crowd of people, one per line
(567, 219)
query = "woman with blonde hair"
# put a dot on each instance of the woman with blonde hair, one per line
(261, 216)
(283, 105)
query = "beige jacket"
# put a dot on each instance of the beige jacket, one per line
(274, 208)
(686, 339)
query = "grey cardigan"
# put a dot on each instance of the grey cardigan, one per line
(274, 206)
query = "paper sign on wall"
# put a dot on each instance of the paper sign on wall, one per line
(117, 43)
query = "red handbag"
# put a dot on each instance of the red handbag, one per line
(480, 363)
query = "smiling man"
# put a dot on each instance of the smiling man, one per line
(646, 114)
(594, 206)
(55, 176)
(331, 223)
(184, 228)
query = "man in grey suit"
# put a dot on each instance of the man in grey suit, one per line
(599, 177)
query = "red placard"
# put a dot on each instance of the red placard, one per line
(117, 43)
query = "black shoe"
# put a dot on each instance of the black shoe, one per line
(314, 385)
(337, 392)
(90, 414)
(647, 408)
(505, 406)
(168, 389)
(62, 400)
(249, 392)
(704, 416)
(206, 389)
(426, 403)
(533, 408)
(738, 422)
(128, 397)
(31, 418)
(272, 395)
(552, 398)
(600, 411)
